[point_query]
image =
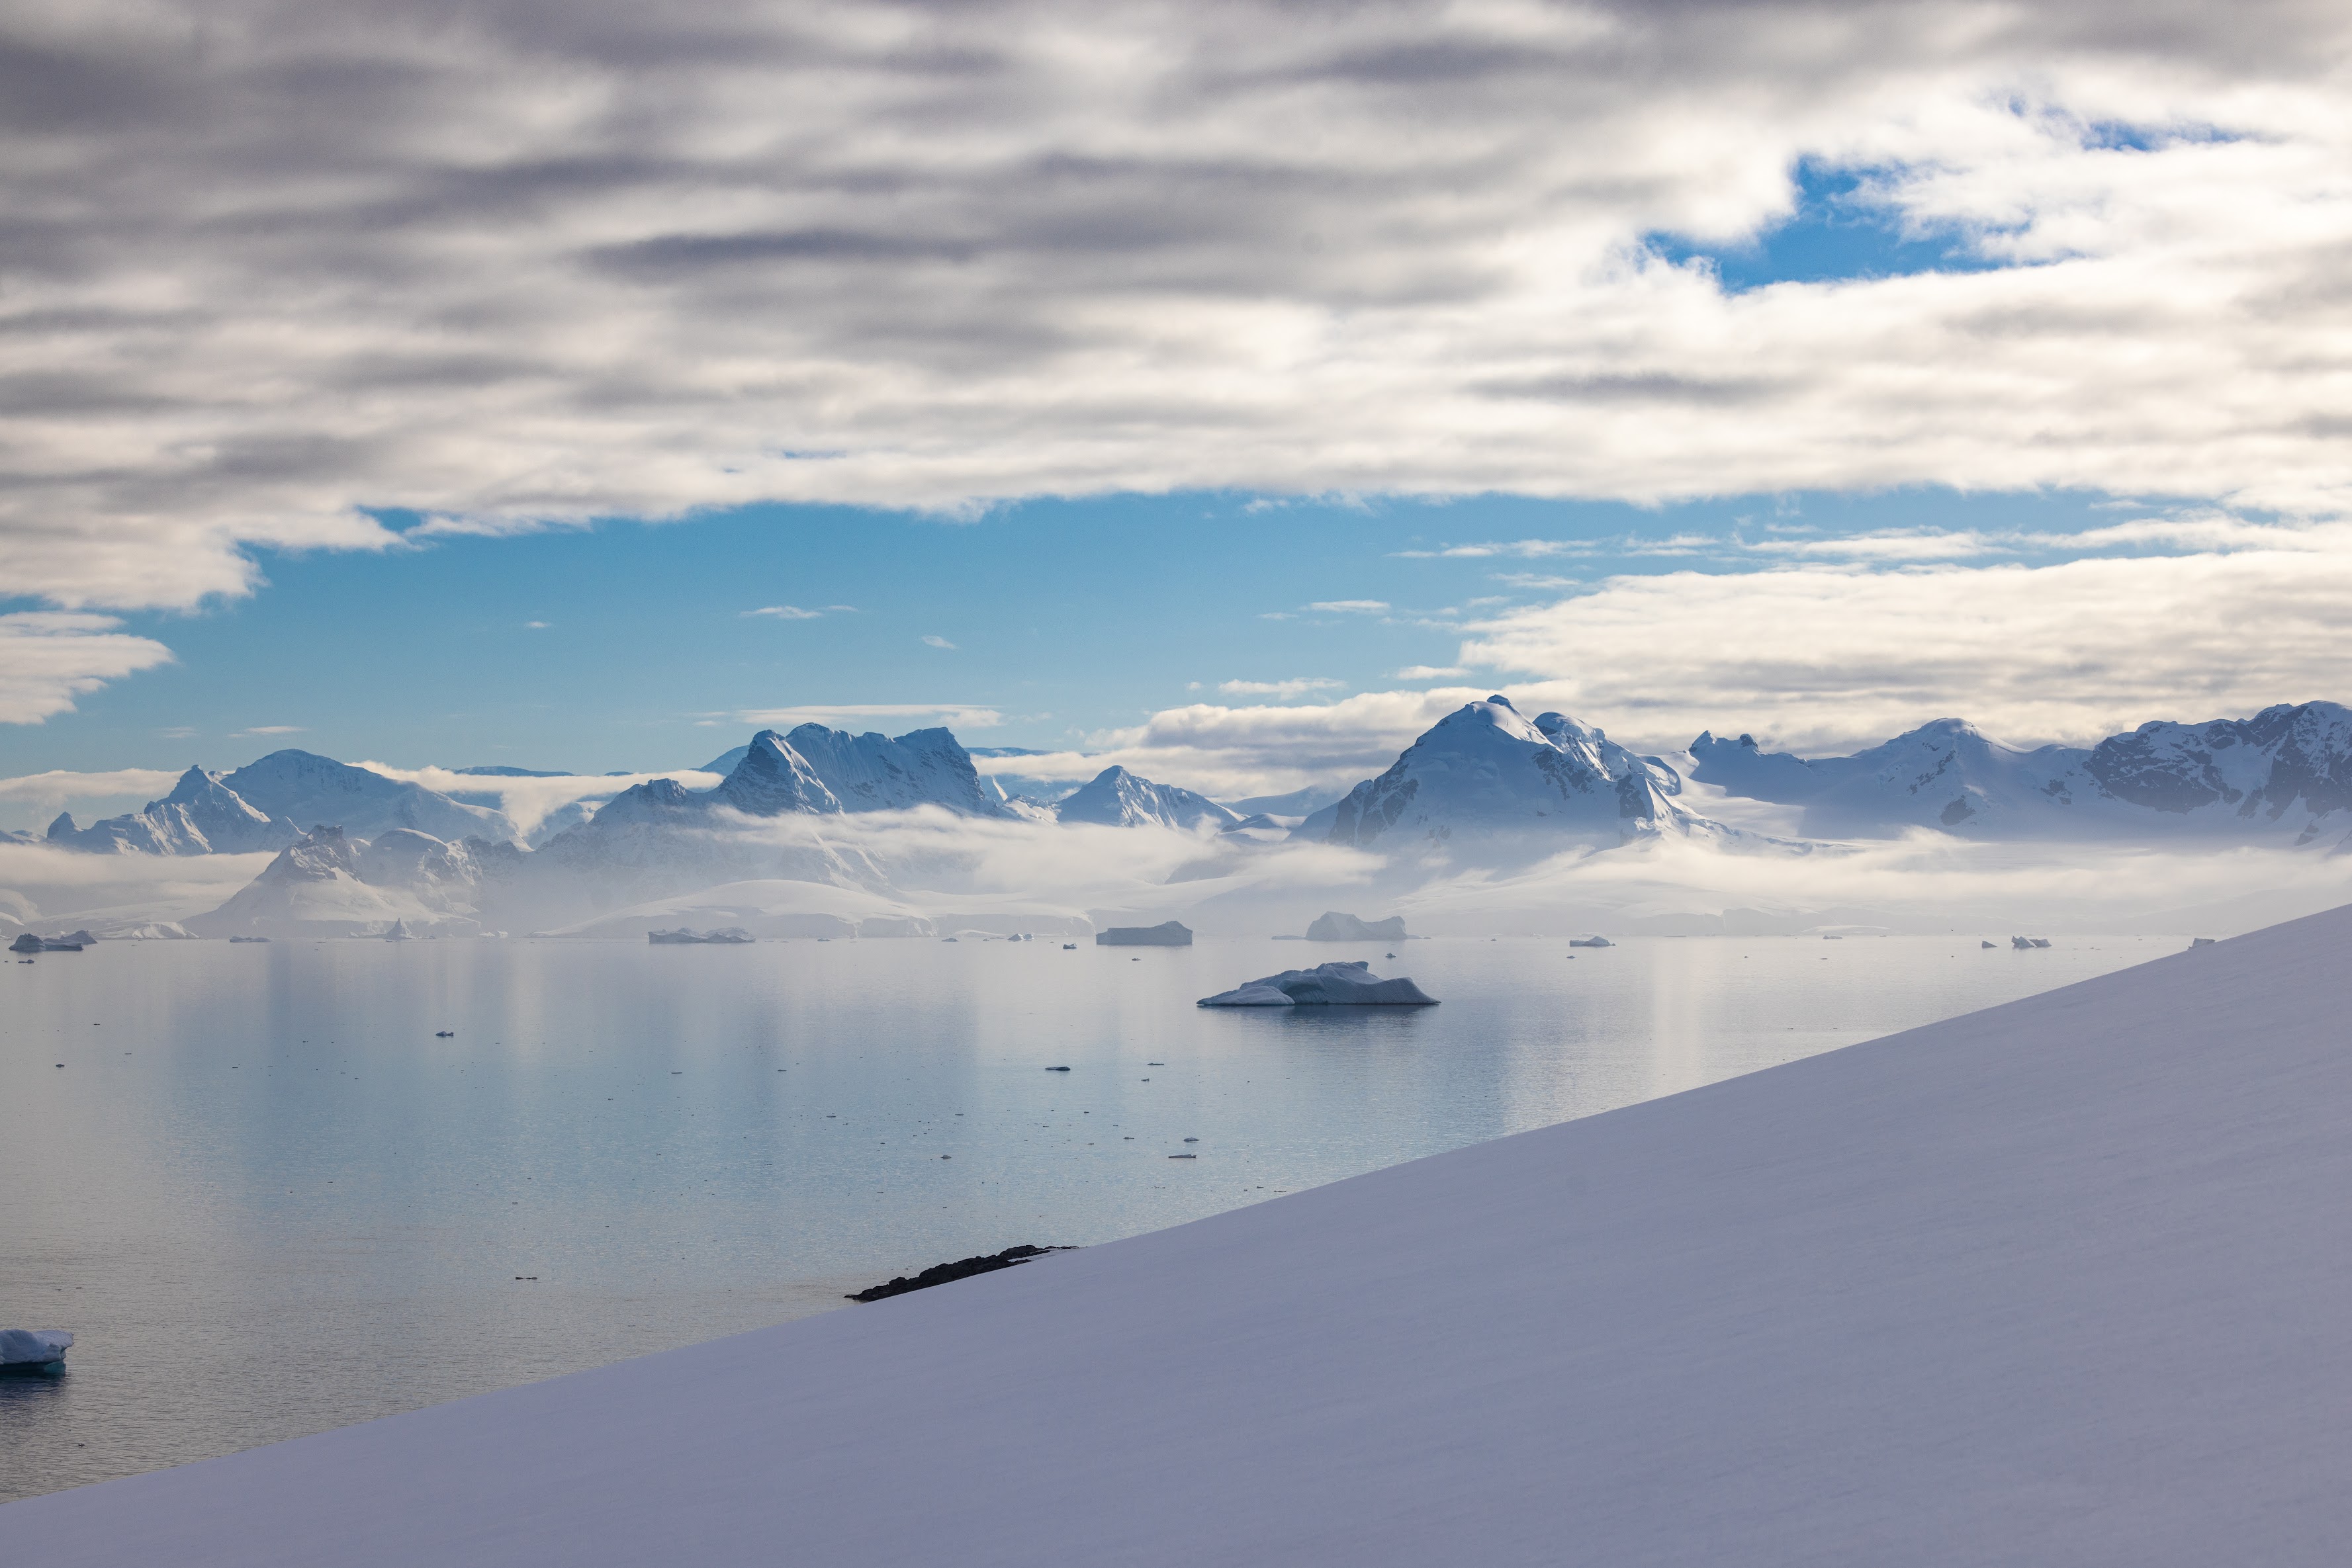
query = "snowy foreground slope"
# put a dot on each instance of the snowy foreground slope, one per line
(2058, 1283)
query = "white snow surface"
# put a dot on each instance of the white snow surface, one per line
(2057, 1282)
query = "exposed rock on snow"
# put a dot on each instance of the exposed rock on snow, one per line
(1167, 933)
(686, 936)
(962, 1269)
(202, 815)
(1484, 772)
(1123, 800)
(1326, 985)
(1333, 926)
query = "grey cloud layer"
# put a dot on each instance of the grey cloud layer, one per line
(508, 264)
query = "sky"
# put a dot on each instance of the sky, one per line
(1223, 389)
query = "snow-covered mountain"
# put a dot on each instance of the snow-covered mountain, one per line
(202, 815)
(307, 790)
(1122, 800)
(329, 883)
(1484, 772)
(2286, 771)
(811, 770)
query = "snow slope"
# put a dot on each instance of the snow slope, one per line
(1122, 800)
(2285, 773)
(2057, 1282)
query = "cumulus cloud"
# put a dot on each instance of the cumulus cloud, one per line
(49, 657)
(276, 266)
(933, 640)
(784, 613)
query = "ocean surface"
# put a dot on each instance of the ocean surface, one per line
(268, 1200)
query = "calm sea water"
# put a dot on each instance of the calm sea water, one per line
(268, 1200)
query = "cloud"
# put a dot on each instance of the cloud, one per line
(1293, 688)
(534, 625)
(1430, 672)
(272, 729)
(1832, 657)
(58, 786)
(785, 612)
(934, 641)
(47, 658)
(535, 267)
(528, 801)
(1350, 606)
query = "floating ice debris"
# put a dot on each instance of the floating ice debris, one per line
(1590, 942)
(2197, 942)
(2023, 944)
(34, 1347)
(1057, 1070)
(444, 1034)
(1350, 984)
(1984, 943)
(237, 939)
(1184, 1156)
(1167, 933)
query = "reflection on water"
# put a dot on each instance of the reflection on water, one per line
(268, 1200)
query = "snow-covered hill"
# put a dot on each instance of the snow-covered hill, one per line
(1485, 773)
(1118, 799)
(2057, 1282)
(328, 884)
(202, 815)
(309, 790)
(2285, 773)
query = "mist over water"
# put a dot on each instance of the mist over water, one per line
(270, 1201)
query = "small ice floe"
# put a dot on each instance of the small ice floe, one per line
(2026, 943)
(444, 1034)
(31, 1350)
(1590, 942)
(1326, 985)
(2196, 942)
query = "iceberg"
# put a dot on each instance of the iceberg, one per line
(34, 1347)
(1167, 933)
(1326, 985)
(1333, 926)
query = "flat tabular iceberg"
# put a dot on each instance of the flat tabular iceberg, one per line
(1326, 985)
